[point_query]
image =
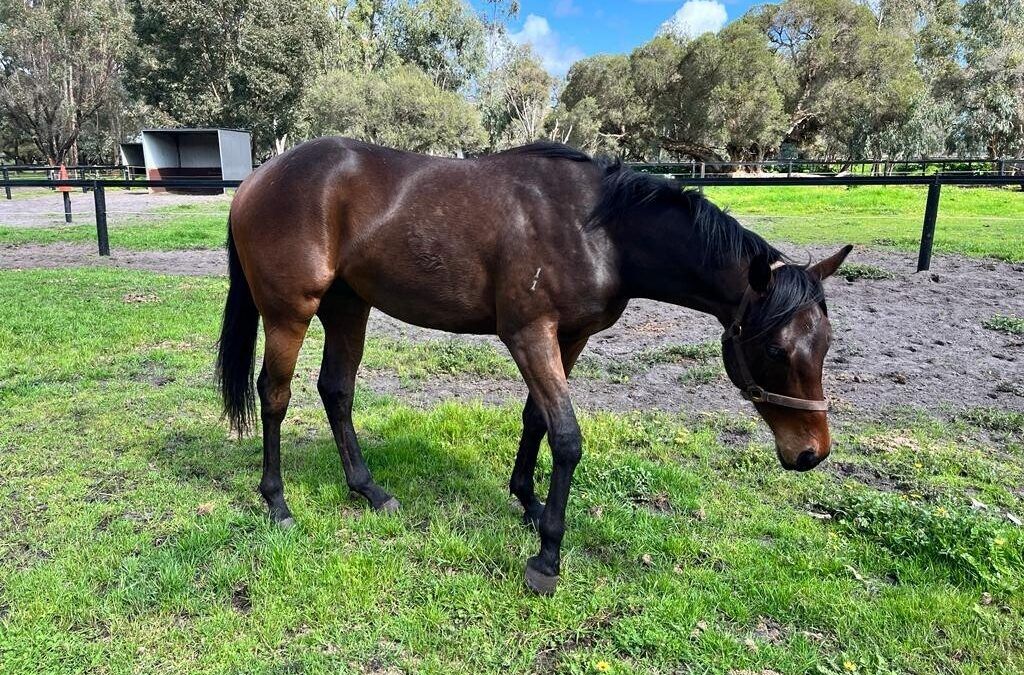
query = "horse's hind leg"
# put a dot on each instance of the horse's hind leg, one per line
(521, 484)
(343, 316)
(283, 341)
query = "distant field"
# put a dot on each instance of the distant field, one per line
(132, 539)
(982, 222)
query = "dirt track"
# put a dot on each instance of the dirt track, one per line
(915, 340)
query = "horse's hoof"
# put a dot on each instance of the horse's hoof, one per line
(286, 523)
(390, 506)
(540, 583)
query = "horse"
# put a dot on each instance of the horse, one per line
(541, 245)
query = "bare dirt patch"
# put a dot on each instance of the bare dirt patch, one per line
(911, 340)
(64, 255)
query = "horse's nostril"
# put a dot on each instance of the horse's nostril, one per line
(807, 460)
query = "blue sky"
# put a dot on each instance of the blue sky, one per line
(562, 31)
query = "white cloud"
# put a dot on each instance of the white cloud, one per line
(555, 56)
(696, 17)
(566, 8)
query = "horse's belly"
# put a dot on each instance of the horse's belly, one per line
(424, 280)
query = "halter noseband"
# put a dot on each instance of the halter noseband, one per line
(750, 390)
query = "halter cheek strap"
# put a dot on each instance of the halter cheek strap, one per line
(750, 390)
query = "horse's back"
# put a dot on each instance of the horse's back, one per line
(427, 240)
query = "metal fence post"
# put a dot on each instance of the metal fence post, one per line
(7, 186)
(67, 206)
(931, 212)
(101, 217)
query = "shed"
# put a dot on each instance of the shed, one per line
(132, 155)
(214, 154)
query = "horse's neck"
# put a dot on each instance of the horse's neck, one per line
(678, 272)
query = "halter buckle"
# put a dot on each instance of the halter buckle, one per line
(732, 332)
(755, 394)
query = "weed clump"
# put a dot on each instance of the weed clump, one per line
(972, 546)
(1014, 325)
(858, 272)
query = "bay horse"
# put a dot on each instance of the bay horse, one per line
(542, 246)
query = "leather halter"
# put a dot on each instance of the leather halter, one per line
(750, 390)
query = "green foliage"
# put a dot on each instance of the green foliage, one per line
(444, 38)
(1014, 325)
(973, 546)
(516, 97)
(233, 63)
(59, 68)
(400, 108)
(991, 118)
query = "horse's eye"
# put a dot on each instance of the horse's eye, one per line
(775, 352)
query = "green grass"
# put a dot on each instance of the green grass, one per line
(1014, 325)
(171, 228)
(984, 222)
(132, 539)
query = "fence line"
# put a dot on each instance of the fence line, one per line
(934, 183)
(1004, 166)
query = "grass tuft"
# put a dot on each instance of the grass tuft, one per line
(859, 271)
(1014, 325)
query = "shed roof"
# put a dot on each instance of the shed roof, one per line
(187, 130)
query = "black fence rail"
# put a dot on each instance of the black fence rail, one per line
(931, 212)
(818, 167)
(9, 173)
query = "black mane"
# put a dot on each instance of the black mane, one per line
(551, 150)
(624, 191)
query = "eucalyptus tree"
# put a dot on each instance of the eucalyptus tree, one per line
(59, 66)
(401, 108)
(243, 63)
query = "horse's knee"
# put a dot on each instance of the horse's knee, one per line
(332, 392)
(566, 443)
(274, 397)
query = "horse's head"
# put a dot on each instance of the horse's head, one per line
(774, 352)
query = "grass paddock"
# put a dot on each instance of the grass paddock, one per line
(132, 538)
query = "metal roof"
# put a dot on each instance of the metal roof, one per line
(186, 130)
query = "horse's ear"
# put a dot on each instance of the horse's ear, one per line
(827, 267)
(760, 273)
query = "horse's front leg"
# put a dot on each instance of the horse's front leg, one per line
(534, 427)
(536, 351)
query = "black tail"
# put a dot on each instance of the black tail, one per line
(237, 346)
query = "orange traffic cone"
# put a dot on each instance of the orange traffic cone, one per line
(63, 175)
(66, 189)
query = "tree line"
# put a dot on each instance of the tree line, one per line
(850, 79)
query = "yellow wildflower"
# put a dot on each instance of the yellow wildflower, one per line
(603, 666)
(850, 666)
